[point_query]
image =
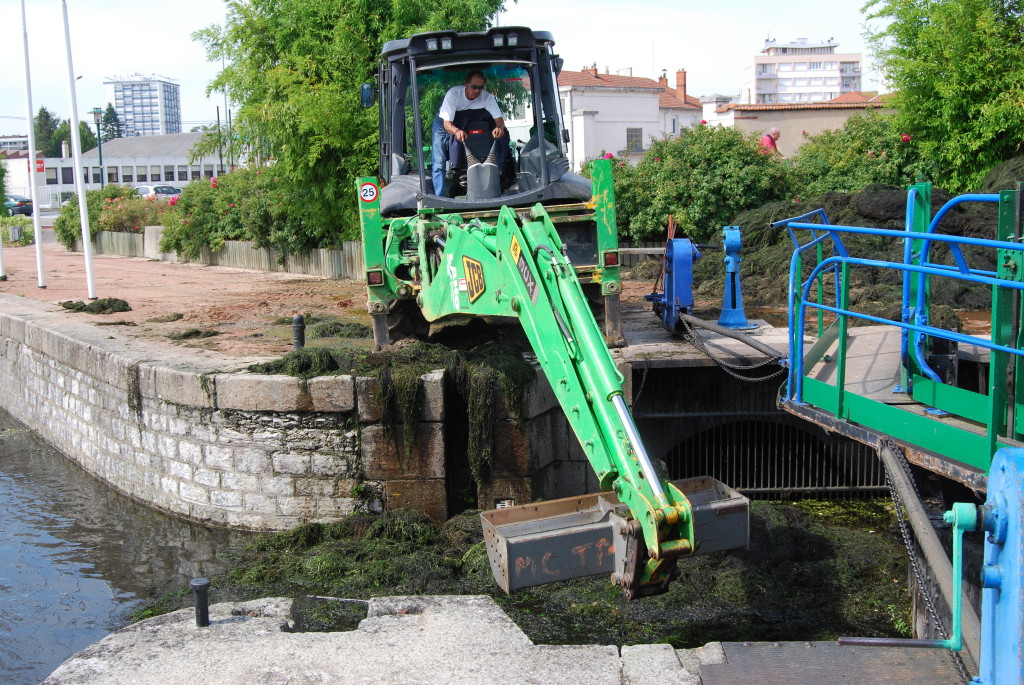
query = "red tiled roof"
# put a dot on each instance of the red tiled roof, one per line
(667, 98)
(782, 106)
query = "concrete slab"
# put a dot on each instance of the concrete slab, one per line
(414, 640)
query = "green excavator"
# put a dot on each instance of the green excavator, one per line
(527, 238)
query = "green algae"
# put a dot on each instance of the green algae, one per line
(106, 305)
(813, 571)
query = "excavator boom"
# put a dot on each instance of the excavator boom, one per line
(517, 267)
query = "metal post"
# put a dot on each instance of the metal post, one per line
(299, 331)
(200, 588)
(37, 227)
(76, 149)
(97, 115)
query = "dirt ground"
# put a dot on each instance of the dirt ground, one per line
(239, 305)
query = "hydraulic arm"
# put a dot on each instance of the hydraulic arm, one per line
(517, 267)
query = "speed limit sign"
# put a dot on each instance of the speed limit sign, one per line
(368, 192)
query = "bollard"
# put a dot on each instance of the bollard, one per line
(298, 331)
(200, 588)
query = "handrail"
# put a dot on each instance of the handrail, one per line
(834, 231)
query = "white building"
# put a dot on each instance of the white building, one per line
(800, 72)
(620, 114)
(14, 142)
(146, 105)
(153, 160)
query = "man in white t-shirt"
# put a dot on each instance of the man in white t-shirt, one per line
(448, 136)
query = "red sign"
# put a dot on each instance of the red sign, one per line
(40, 165)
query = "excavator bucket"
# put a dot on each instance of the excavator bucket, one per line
(545, 542)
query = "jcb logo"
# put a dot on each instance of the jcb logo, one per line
(474, 278)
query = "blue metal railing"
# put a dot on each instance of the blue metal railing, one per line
(914, 319)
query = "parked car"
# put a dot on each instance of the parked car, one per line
(163, 193)
(18, 204)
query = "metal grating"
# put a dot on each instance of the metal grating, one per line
(771, 458)
(700, 421)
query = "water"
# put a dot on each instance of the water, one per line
(76, 558)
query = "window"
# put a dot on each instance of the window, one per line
(169, 172)
(182, 173)
(126, 174)
(208, 170)
(67, 174)
(814, 65)
(51, 176)
(142, 178)
(785, 66)
(111, 174)
(634, 139)
(154, 173)
(800, 66)
(96, 174)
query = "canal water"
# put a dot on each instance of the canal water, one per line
(76, 558)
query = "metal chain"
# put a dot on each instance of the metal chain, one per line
(915, 566)
(731, 368)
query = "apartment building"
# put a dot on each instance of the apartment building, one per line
(14, 142)
(146, 105)
(800, 72)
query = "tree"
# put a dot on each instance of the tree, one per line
(957, 69)
(869, 148)
(294, 68)
(110, 124)
(63, 133)
(46, 125)
(702, 178)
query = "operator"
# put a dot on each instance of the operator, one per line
(448, 137)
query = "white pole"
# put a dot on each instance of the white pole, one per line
(76, 151)
(40, 274)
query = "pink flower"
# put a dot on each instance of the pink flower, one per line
(905, 137)
(231, 204)
(607, 155)
(703, 121)
(213, 182)
(657, 159)
(803, 132)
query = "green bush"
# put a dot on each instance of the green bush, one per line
(68, 226)
(869, 148)
(130, 214)
(248, 204)
(27, 230)
(703, 177)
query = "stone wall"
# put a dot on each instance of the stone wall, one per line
(195, 435)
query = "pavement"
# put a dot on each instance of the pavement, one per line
(448, 640)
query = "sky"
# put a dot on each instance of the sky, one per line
(712, 41)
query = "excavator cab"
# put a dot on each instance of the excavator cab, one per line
(528, 165)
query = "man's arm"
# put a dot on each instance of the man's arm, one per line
(459, 134)
(499, 128)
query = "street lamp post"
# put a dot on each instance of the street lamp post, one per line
(97, 115)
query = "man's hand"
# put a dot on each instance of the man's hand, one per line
(498, 132)
(460, 135)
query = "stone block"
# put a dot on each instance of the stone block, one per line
(302, 507)
(254, 392)
(262, 504)
(194, 493)
(253, 460)
(239, 482)
(382, 460)
(330, 465)
(207, 477)
(278, 485)
(520, 490)
(176, 386)
(427, 496)
(332, 393)
(510, 455)
(221, 498)
(222, 458)
(190, 453)
(539, 399)
(291, 463)
(370, 398)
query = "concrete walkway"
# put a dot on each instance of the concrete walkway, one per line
(404, 640)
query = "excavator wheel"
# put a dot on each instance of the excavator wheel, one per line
(405, 320)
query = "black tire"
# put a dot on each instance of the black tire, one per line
(405, 320)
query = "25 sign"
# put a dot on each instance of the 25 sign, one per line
(368, 192)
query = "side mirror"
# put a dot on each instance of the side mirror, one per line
(367, 98)
(558, 63)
